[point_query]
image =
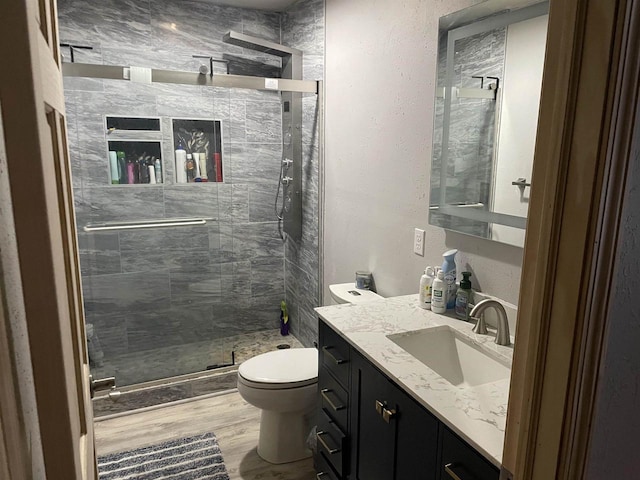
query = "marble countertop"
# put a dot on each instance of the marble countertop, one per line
(477, 414)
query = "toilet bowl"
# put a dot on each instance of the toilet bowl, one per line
(283, 384)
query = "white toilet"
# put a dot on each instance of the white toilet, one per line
(284, 384)
(348, 293)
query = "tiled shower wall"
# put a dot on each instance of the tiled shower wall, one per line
(155, 297)
(303, 28)
(471, 128)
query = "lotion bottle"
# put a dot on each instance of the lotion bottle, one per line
(424, 295)
(439, 294)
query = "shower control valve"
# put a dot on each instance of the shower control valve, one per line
(286, 180)
(287, 162)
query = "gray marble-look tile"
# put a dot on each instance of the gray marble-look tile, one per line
(261, 24)
(267, 278)
(236, 283)
(152, 329)
(313, 67)
(196, 287)
(256, 163)
(99, 253)
(126, 292)
(254, 240)
(310, 119)
(191, 200)
(115, 203)
(188, 24)
(262, 202)
(263, 122)
(93, 106)
(238, 115)
(191, 106)
(110, 334)
(167, 248)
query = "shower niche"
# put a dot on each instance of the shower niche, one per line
(134, 150)
(197, 150)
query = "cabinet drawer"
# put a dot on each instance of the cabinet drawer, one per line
(324, 470)
(333, 398)
(331, 443)
(334, 354)
(461, 462)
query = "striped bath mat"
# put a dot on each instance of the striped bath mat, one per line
(189, 458)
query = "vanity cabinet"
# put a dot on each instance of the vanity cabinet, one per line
(393, 437)
(371, 429)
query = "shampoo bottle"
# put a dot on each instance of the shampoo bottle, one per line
(464, 296)
(426, 282)
(439, 294)
(449, 272)
(181, 164)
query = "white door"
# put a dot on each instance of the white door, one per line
(32, 101)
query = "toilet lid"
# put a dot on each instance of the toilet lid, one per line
(292, 365)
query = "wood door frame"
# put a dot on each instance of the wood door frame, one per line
(38, 173)
(589, 101)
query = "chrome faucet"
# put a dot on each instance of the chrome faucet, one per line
(502, 334)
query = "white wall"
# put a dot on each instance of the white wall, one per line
(521, 88)
(380, 75)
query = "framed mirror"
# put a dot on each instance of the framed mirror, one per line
(489, 78)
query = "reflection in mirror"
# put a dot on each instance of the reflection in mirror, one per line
(486, 113)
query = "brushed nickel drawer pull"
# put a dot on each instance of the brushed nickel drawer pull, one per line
(448, 468)
(324, 392)
(379, 407)
(324, 444)
(320, 475)
(388, 414)
(338, 361)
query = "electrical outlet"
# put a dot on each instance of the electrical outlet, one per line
(418, 242)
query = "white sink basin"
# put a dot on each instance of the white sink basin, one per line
(452, 356)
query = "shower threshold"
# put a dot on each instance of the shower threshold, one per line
(192, 385)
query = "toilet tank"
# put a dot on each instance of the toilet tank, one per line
(348, 293)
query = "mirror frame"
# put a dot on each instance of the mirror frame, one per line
(489, 21)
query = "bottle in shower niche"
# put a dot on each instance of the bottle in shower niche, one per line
(122, 168)
(181, 164)
(158, 168)
(113, 167)
(191, 168)
(449, 271)
(143, 171)
(131, 172)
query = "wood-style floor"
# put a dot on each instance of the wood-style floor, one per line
(234, 422)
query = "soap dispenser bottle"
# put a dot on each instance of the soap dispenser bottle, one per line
(449, 271)
(426, 281)
(439, 294)
(464, 296)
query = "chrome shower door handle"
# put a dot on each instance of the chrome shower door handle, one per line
(107, 383)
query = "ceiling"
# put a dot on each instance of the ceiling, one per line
(272, 5)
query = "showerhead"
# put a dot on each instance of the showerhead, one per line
(258, 44)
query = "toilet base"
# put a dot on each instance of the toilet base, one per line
(283, 437)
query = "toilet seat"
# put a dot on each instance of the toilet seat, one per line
(280, 369)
